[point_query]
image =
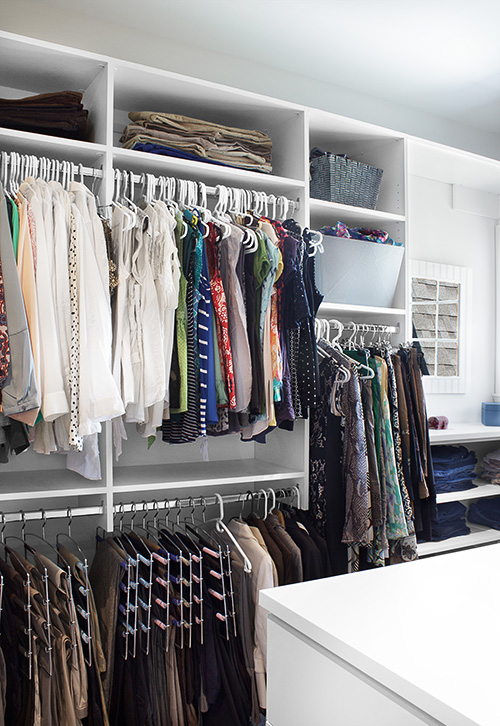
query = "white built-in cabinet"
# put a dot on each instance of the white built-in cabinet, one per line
(111, 88)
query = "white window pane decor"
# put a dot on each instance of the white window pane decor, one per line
(438, 310)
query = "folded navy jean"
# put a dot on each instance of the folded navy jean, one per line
(453, 455)
(458, 485)
(485, 512)
(449, 521)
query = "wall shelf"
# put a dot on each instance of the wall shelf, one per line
(463, 433)
(481, 490)
(366, 313)
(242, 472)
(478, 536)
(352, 216)
(138, 161)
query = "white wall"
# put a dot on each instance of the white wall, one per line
(438, 233)
(73, 27)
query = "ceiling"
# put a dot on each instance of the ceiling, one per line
(438, 56)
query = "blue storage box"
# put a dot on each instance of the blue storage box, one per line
(490, 414)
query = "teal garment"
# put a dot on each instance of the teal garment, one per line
(273, 255)
(396, 521)
(15, 226)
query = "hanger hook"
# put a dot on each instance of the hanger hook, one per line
(133, 509)
(273, 499)
(69, 515)
(244, 499)
(203, 502)
(44, 522)
(121, 512)
(2, 531)
(166, 505)
(266, 499)
(193, 507)
(156, 510)
(296, 491)
(178, 504)
(23, 526)
(145, 509)
(221, 507)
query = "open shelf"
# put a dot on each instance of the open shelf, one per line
(47, 484)
(140, 161)
(352, 216)
(24, 142)
(463, 433)
(478, 536)
(369, 312)
(483, 489)
(210, 473)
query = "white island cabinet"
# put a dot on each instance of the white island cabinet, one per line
(389, 647)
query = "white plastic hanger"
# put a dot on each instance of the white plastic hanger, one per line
(221, 527)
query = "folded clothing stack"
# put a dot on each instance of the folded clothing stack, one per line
(364, 233)
(491, 467)
(449, 521)
(485, 512)
(56, 114)
(454, 468)
(190, 138)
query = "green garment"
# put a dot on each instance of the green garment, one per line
(181, 315)
(15, 226)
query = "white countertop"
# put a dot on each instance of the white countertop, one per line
(428, 630)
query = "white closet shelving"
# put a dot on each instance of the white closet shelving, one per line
(111, 88)
(381, 148)
(470, 435)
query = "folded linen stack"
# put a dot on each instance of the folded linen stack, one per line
(491, 467)
(189, 138)
(56, 114)
(485, 512)
(449, 521)
(454, 468)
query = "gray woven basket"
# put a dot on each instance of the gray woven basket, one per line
(338, 179)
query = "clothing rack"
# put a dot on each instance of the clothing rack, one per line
(21, 163)
(143, 506)
(370, 327)
(202, 501)
(356, 327)
(203, 190)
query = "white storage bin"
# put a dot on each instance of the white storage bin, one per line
(358, 272)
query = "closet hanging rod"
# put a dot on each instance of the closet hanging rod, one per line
(13, 158)
(42, 514)
(363, 327)
(372, 328)
(210, 191)
(199, 501)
